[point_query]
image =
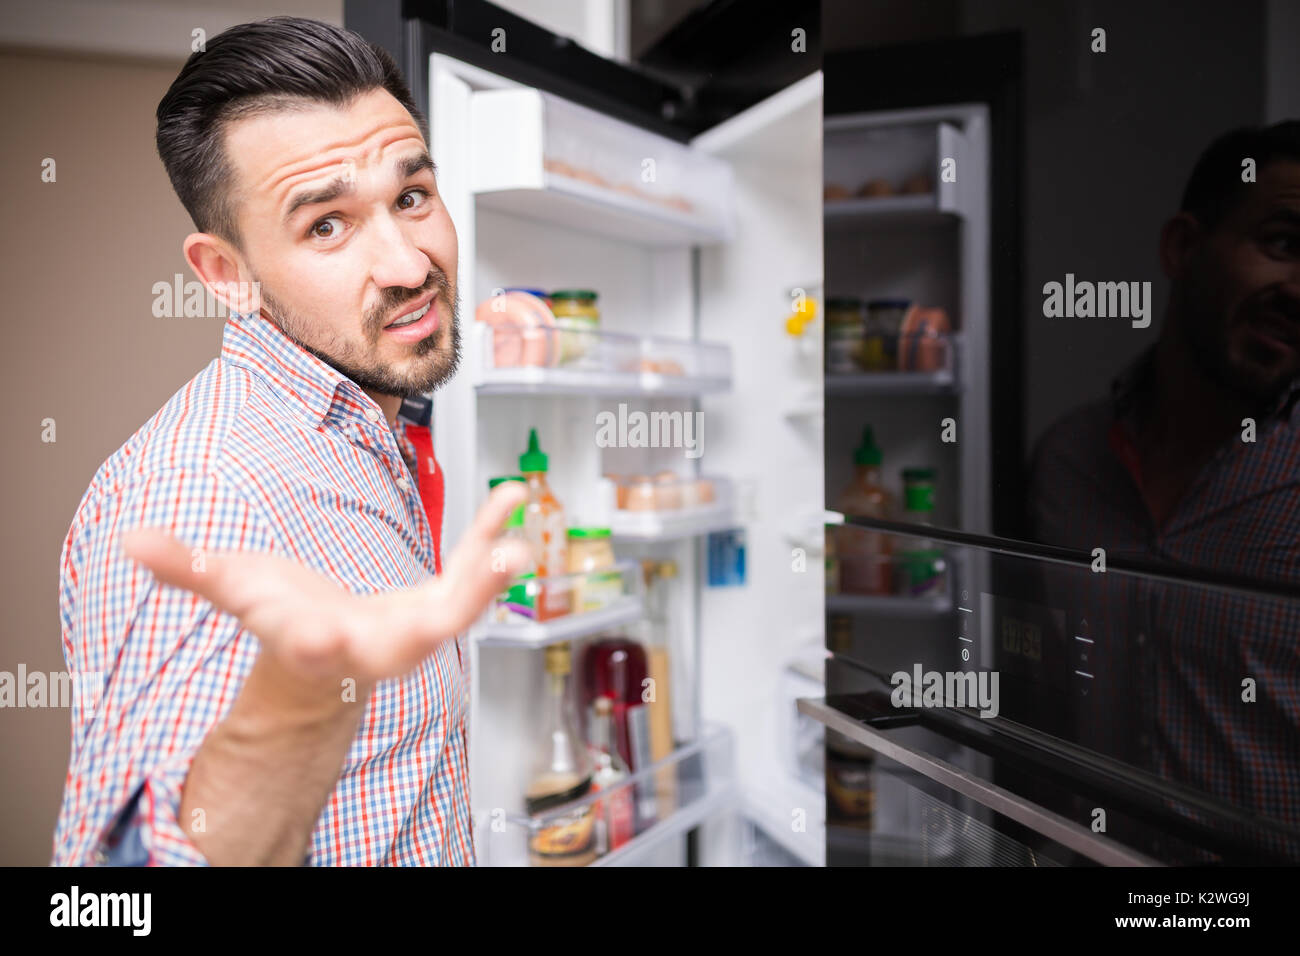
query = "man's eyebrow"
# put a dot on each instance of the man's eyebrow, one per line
(1285, 214)
(342, 186)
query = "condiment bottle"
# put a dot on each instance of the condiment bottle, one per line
(561, 773)
(864, 553)
(545, 530)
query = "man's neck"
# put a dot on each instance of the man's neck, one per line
(388, 404)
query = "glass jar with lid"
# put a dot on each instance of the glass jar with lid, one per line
(578, 318)
(843, 334)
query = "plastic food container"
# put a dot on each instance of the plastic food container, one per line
(665, 491)
(522, 327)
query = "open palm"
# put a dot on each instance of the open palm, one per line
(319, 631)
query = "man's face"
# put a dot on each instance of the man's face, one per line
(1238, 291)
(343, 228)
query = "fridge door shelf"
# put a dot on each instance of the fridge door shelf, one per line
(542, 157)
(502, 626)
(673, 795)
(925, 363)
(921, 586)
(895, 168)
(654, 508)
(892, 383)
(892, 605)
(518, 360)
(869, 213)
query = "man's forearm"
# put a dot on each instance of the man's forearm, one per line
(261, 776)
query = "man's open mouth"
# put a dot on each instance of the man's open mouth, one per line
(410, 318)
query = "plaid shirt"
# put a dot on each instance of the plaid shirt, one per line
(266, 449)
(1167, 661)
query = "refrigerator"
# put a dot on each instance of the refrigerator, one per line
(699, 225)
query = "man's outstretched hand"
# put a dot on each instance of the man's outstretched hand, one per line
(320, 633)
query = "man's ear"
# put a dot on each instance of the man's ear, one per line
(221, 269)
(1179, 240)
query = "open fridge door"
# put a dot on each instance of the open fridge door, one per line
(761, 597)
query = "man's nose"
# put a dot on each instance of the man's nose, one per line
(396, 259)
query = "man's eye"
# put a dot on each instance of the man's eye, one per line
(423, 194)
(1283, 244)
(325, 224)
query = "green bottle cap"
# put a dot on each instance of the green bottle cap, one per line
(918, 497)
(582, 294)
(533, 459)
(868, 453)
(516, 519)
(588, 532)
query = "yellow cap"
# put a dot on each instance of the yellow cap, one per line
(798, 320)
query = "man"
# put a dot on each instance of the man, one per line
(309, 704)
(1194, 460)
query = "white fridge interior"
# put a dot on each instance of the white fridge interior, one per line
(699, 252)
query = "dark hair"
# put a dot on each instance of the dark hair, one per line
(264, 66)
(1215, 185)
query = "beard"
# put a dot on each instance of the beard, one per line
(429, 365)
(1227, 357)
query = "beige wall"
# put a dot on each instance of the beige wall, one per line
(79, 259)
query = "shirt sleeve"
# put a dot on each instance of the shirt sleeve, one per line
(166, 666)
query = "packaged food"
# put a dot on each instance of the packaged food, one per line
(638, 494)
(843, 334)
(578, 317)
(886, 318)
(523, 330)
(668, 491)
(875, 188)
(923, 340)
(919, 183)
(591, 557)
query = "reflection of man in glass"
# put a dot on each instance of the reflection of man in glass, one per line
(1194, 459)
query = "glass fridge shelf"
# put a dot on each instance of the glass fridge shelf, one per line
(536, 612)
(667, 506)
(671, 796)
(520, 359)
(893, 605)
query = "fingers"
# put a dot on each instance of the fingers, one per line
(481, 578)
(491, 518)
(480, 567)
(171, 561)
(202, 572)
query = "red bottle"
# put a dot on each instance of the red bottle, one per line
(613, 667)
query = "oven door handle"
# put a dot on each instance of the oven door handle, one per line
(1096, 847)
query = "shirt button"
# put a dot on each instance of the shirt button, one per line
(403, 484)
(101, 857)
(372, 414)
(1142, 639)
